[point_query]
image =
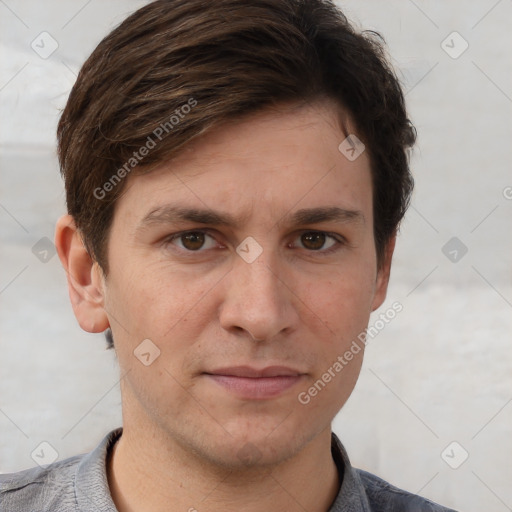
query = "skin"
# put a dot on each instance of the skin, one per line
(205, 308)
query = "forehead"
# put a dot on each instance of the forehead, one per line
(269, 161)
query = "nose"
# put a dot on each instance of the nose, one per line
(258, 300)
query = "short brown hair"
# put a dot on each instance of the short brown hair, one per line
(222, 60)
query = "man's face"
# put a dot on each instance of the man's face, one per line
(283, 286)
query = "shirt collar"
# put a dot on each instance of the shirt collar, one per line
(92, 491)
(351, 496)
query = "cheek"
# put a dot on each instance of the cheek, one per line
(155, 299)
(172, 309)
(168, 308)
(343, 302)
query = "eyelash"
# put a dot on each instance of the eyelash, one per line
(340, 241)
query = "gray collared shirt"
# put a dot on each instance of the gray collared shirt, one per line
(79, 484)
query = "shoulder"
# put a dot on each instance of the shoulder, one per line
(75, 484)
(383, 496)
(366, 492)
(41, 488)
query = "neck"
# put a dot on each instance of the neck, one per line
(148, 472)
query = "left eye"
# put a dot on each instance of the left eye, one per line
(193, 240)
(315, 240)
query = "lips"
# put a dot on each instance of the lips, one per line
(250, 383)
(250, 372)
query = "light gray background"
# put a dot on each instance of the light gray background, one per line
(438, 373)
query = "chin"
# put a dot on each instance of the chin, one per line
(257, 447)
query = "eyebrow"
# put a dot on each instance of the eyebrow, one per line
(169, 214)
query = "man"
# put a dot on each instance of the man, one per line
(235, 173)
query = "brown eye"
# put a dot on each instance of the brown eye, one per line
(313, 240)
(188, 242)
(192, 240)
(321, 242)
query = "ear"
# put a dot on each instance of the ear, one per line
(86, 283)
(383, 273)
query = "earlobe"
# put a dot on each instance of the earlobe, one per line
(86, 284)
(383, 274)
